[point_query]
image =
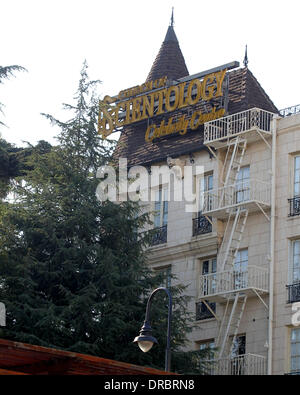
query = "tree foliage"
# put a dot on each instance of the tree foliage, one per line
(8, 166)
(5, 73)
(73, 272)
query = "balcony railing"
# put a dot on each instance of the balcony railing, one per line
(294, 206)
(233, 280)
(242, 365)
(237, 194)
(286, 112)
(201, 226)
(159, 236)
(233, 125)
(293, 292)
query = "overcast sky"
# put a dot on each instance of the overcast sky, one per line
(120, 40)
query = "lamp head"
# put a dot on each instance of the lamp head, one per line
(145, 341)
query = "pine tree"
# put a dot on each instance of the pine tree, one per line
(73, 273)
(5, 73)
(5, 160)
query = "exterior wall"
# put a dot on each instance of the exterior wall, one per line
(287, 229)
(184, 251)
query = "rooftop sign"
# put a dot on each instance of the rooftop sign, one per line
(155, 98)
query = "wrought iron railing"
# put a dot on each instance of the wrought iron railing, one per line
(239, 193)
(293, 292)
(201, 225)
(203, 312)
(294, 206)
(235, 124)
(242, 365)
(160, 235)
(290, 111)
(233, 280)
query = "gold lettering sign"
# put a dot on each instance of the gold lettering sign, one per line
(181, 125)
(138, 103)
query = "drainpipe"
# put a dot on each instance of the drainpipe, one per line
(272, 246)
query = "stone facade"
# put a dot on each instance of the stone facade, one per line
(256, 324)
(184, 253)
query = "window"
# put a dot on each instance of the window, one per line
(209, 287)
(166, 272)
(209, 267)
(239, 346)
(205, 185)
(203, 312)
(296, 261)
(202, 224)
(238, 366)
(297, 176)
(160, 216)
(295, 351)
(207, 366)
(241, 269)
(294, 273)
(243, 185)
(295, 201)
(207, 345)
(161, 207)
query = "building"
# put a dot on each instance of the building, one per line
(239, 251)
(27, 359)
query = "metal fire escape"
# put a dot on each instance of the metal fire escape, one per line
(237, 216)
(228, 138)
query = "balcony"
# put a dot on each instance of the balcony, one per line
(293, 292)
(242, 365)
(251, 124)
(201, 226)
(252, 194)
(217, 287)
(294, 206)
(159, 236)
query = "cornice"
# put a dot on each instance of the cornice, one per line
(199, 247)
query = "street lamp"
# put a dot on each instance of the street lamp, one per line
(145, 340)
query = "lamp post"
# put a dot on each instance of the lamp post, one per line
(145, 340)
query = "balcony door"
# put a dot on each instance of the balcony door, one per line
(243, 185)
(237, 356)
(297, 176)
(294, 273)
(160, 217)
(295, 201)
(161, 207)
(295, 352)
(206, 185)
(209, 267)
(241, 269)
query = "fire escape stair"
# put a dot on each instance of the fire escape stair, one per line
(233, 233)
(232, 325)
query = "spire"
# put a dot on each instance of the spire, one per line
(169, 61)
(172, 18)
(246, 58)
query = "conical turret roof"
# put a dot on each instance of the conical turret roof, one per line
(169, 61)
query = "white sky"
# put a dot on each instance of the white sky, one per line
(120, 40)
